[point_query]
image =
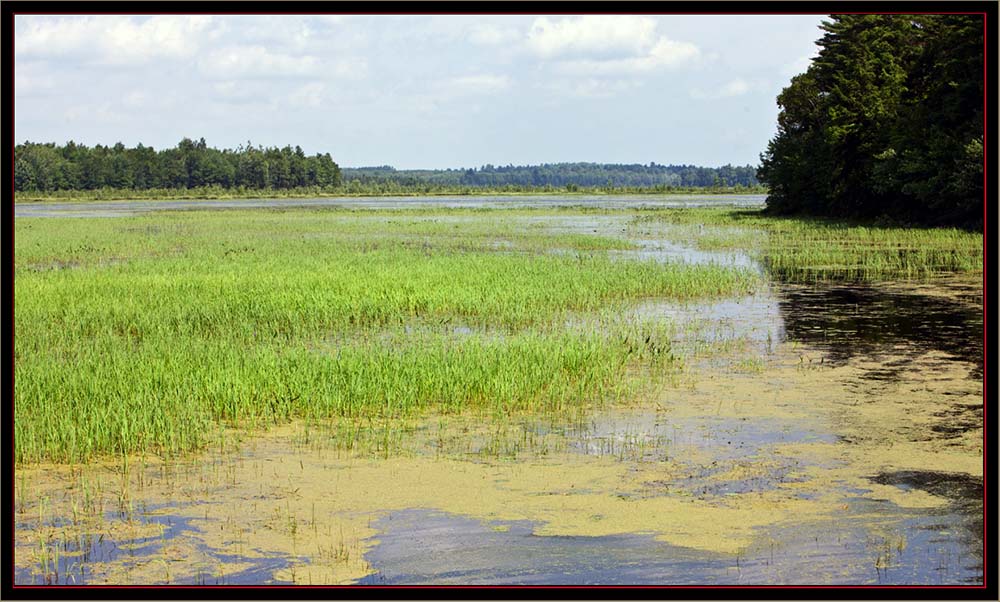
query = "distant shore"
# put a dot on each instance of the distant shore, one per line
(217, 193)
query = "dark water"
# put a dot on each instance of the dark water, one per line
(862, 320)
(125, 208)
(844, 321)
(420, 546)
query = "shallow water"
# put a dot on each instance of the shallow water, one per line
(822, 434)
(80, 557)
(418, 546)
(124, 208)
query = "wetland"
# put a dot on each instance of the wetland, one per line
(627, 390)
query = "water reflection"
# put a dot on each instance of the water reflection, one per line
(843, 321)
(418, 546)
(857, 320)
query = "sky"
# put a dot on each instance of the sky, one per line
(430, 91)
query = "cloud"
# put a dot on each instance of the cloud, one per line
(259, 62)
(111, 40)
(103, 113)
(492, 35)
(607, 45)
(330, 19)
(135, 99)
(736, 87)
(236, 91)
(590, 36)
(234, 62)
(477, 84)
(311, 95)
(666, 54)
(590, 87)
(27, 83)
(458, 88)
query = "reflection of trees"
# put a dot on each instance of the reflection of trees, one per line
(965, 492)
(859, 319)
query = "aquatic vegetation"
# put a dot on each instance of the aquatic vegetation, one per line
(810, 249)
(737, 466)
(496, 367)
(138, 335)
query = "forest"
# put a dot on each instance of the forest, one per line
(565, 174)
(194, 165)
(887, 123)
(48, 167)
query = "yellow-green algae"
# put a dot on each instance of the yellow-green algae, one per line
(315, 502)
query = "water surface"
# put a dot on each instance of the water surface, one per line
(818, 434)
(123, 208)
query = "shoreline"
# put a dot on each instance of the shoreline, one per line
(274, 195)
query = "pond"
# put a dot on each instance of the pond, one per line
(817, 434)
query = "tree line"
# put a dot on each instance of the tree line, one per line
(886, 122)
(561, 175)
(48, 167)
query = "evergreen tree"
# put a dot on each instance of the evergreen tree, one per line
(887, 121)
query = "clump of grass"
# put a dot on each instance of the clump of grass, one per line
(165, 395)
(810, 249)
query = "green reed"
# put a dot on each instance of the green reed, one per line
(143, 334)
(809, 249)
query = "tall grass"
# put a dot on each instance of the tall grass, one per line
(810, 249)
(141, 334)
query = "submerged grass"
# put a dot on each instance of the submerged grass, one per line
(143, 334)
(810, 249)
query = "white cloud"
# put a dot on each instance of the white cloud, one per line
(291, 34)
(735, 87)
(114, 40)
(237, 91)
(348, 68)
(103, 113)
(311, 95)
(592, 35)
(135, 99)
(330, 19)
(477, 84)
(666, 54)
(458, 88)
(27, 83)
(492, 35)
(234, 62)
(260, 62)
(607, 45)
(589, 87)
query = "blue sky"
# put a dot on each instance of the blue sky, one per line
(416, 91)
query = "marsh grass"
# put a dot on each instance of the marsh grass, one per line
(143, 335)
(810, 249)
